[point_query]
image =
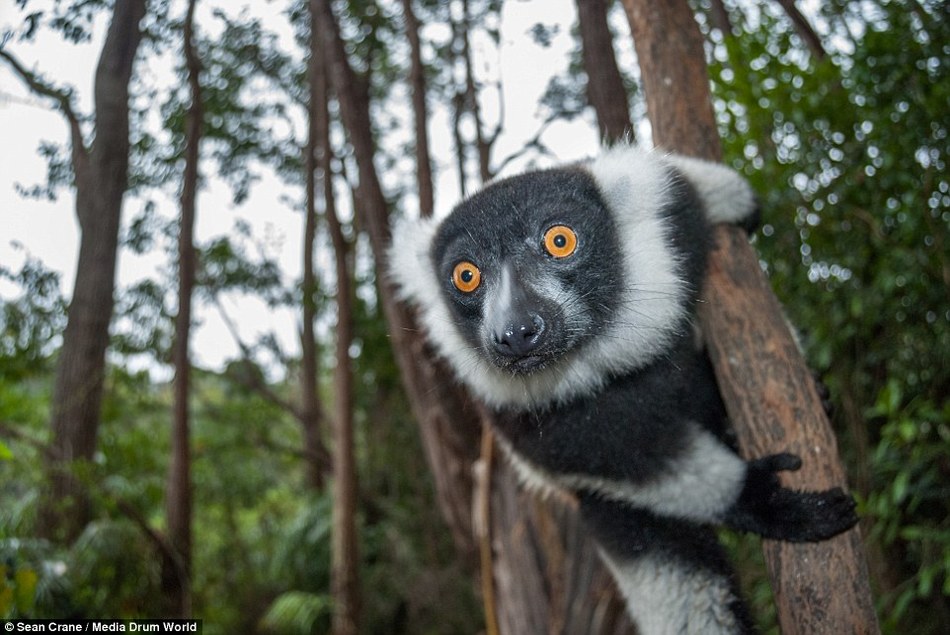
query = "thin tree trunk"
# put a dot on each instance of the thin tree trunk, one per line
(482, 144)
(605, 89)
(418, 83)
(345, 546)
(804, 29)
(448, 423)
(820, 587)
(344, 550)
(310, 407)
(176, 576)
(101, 176)
(458, 109)
(720, 17)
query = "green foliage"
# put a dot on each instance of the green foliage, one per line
(848, 154)
(59, 173)
(17, 591)
(30, 323)
(911, 462)
(73, 19)
(226, 266)
(296, 613)
(849, 157)
(113, 571)
(32, 580)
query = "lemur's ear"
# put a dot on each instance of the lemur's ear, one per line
(409, 263)
(726, 195)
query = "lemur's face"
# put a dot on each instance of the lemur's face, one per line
(542, 286)
(530, 268)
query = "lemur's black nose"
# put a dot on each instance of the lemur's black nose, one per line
(521, 336)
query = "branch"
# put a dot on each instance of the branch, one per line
(62, 98)
(165, 548)
(254, 382)
(534, 143)
(804, 29)
(156, 538)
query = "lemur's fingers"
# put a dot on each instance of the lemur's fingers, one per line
(813, 516)
(781, 462)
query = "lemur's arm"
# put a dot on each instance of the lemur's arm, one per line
(766, 508)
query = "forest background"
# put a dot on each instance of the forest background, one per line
(222, 478)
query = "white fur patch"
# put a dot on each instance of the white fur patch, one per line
(410, 267)
(700, 485)
(665, 597)
(727, 196)
(409, 263)
(635, 184)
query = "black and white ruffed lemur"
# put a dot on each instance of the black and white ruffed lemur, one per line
(564, 299)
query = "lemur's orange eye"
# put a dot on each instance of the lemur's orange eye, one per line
(560, 241)
(466, 277)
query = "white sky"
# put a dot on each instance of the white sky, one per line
(49, 232)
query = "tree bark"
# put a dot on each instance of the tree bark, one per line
(310, 411)
(768, 390)
(101, 177)
(310, 407)
(344, 549)
(548, 575)
(417, 82)
(447, 420)
(719, 17)
(482, 144)
(605, 89)
(804, 29)
(176, 574)
(667, 42)
(345, 546)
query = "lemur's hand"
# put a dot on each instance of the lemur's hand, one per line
(772, 511)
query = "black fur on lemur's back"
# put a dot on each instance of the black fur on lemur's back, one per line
(564, 299)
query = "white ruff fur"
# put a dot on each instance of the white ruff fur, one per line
(668, 598)
(634, 184)
(700, 485)
(727, 197)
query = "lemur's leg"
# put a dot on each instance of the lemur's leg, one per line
(673, 574)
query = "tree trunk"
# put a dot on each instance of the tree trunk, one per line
(804, 29)
(482, 144)
(101, 179)
(768, 390)
(605, 89)
(345, 546)
(344, 549)
(176, 576)
(448, 422)
(310, 408)
(668, 42)
(310, 411)
(418, 83)
(578, 593)
(549, 577)
(719, 18)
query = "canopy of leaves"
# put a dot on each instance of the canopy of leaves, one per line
(848, 153)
